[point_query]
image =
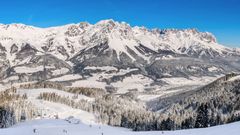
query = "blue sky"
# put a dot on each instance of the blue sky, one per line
(221, 17)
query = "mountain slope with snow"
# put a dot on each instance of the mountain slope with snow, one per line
(150, 56)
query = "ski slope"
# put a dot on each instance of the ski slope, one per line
(63, 127)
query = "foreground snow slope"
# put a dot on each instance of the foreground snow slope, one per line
(62, 127)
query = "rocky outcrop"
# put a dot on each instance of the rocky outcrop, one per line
(14, 48)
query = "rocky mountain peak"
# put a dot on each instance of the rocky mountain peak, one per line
(84, 25)
(19, 26)
(209, 37)
(73, 30)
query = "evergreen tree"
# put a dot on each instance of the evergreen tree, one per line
(168, 124)
(202, 116)
(187, 123)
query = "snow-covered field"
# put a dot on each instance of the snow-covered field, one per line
(28, 69)
(67, 77)
(63, 127)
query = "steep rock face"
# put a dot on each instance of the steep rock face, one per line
(2, 52)
(4, 66)
(14, 49)
(102, 55)
(26, 51)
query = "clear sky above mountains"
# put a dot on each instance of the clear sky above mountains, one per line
(221, 17)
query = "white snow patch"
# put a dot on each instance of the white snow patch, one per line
(67, 77)
(12, 78)
(106, 68)
(60, 71)
(211, 69)
(90, 82)
(191, 81)
(28, 69)
(234, 78)
(146, 97)
(134, 82)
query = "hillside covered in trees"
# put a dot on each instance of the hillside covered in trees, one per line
(214, 104)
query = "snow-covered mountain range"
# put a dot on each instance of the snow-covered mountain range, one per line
(111, 54)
